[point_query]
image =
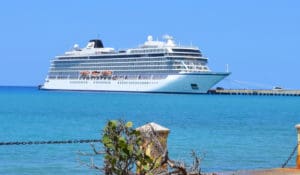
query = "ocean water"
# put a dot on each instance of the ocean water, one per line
(234, 132)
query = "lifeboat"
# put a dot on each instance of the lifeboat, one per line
(85, 73)
(107, 73)
(96, 73)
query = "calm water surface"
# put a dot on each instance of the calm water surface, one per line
(234, 132)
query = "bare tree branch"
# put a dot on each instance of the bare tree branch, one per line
(95, 150)
(85, 154)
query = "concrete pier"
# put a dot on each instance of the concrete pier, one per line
(255, 92)
(298, 141)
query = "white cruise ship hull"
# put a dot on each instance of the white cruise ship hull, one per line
(179, 83)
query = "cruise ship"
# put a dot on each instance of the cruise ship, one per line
(155, 66)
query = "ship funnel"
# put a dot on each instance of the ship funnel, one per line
(95, 43)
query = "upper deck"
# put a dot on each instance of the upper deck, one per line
(152, 57)
(96, 49)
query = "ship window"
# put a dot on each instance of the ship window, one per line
(194, 86)
(186, 50)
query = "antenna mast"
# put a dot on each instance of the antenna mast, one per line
(227, 67)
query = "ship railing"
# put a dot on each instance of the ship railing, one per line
(113, 77)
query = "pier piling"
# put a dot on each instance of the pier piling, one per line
(298, 142)
(155, 148)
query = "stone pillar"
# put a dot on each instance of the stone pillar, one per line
(150, 147)
(298, 154)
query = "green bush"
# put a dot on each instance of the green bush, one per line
(123, 151)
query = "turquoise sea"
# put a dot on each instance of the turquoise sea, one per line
(234, 132)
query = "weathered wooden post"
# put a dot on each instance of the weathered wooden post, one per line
(155, 141)
(298, 154)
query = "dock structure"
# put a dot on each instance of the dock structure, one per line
(255, 92)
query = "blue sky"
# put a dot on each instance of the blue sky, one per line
(260, 40)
